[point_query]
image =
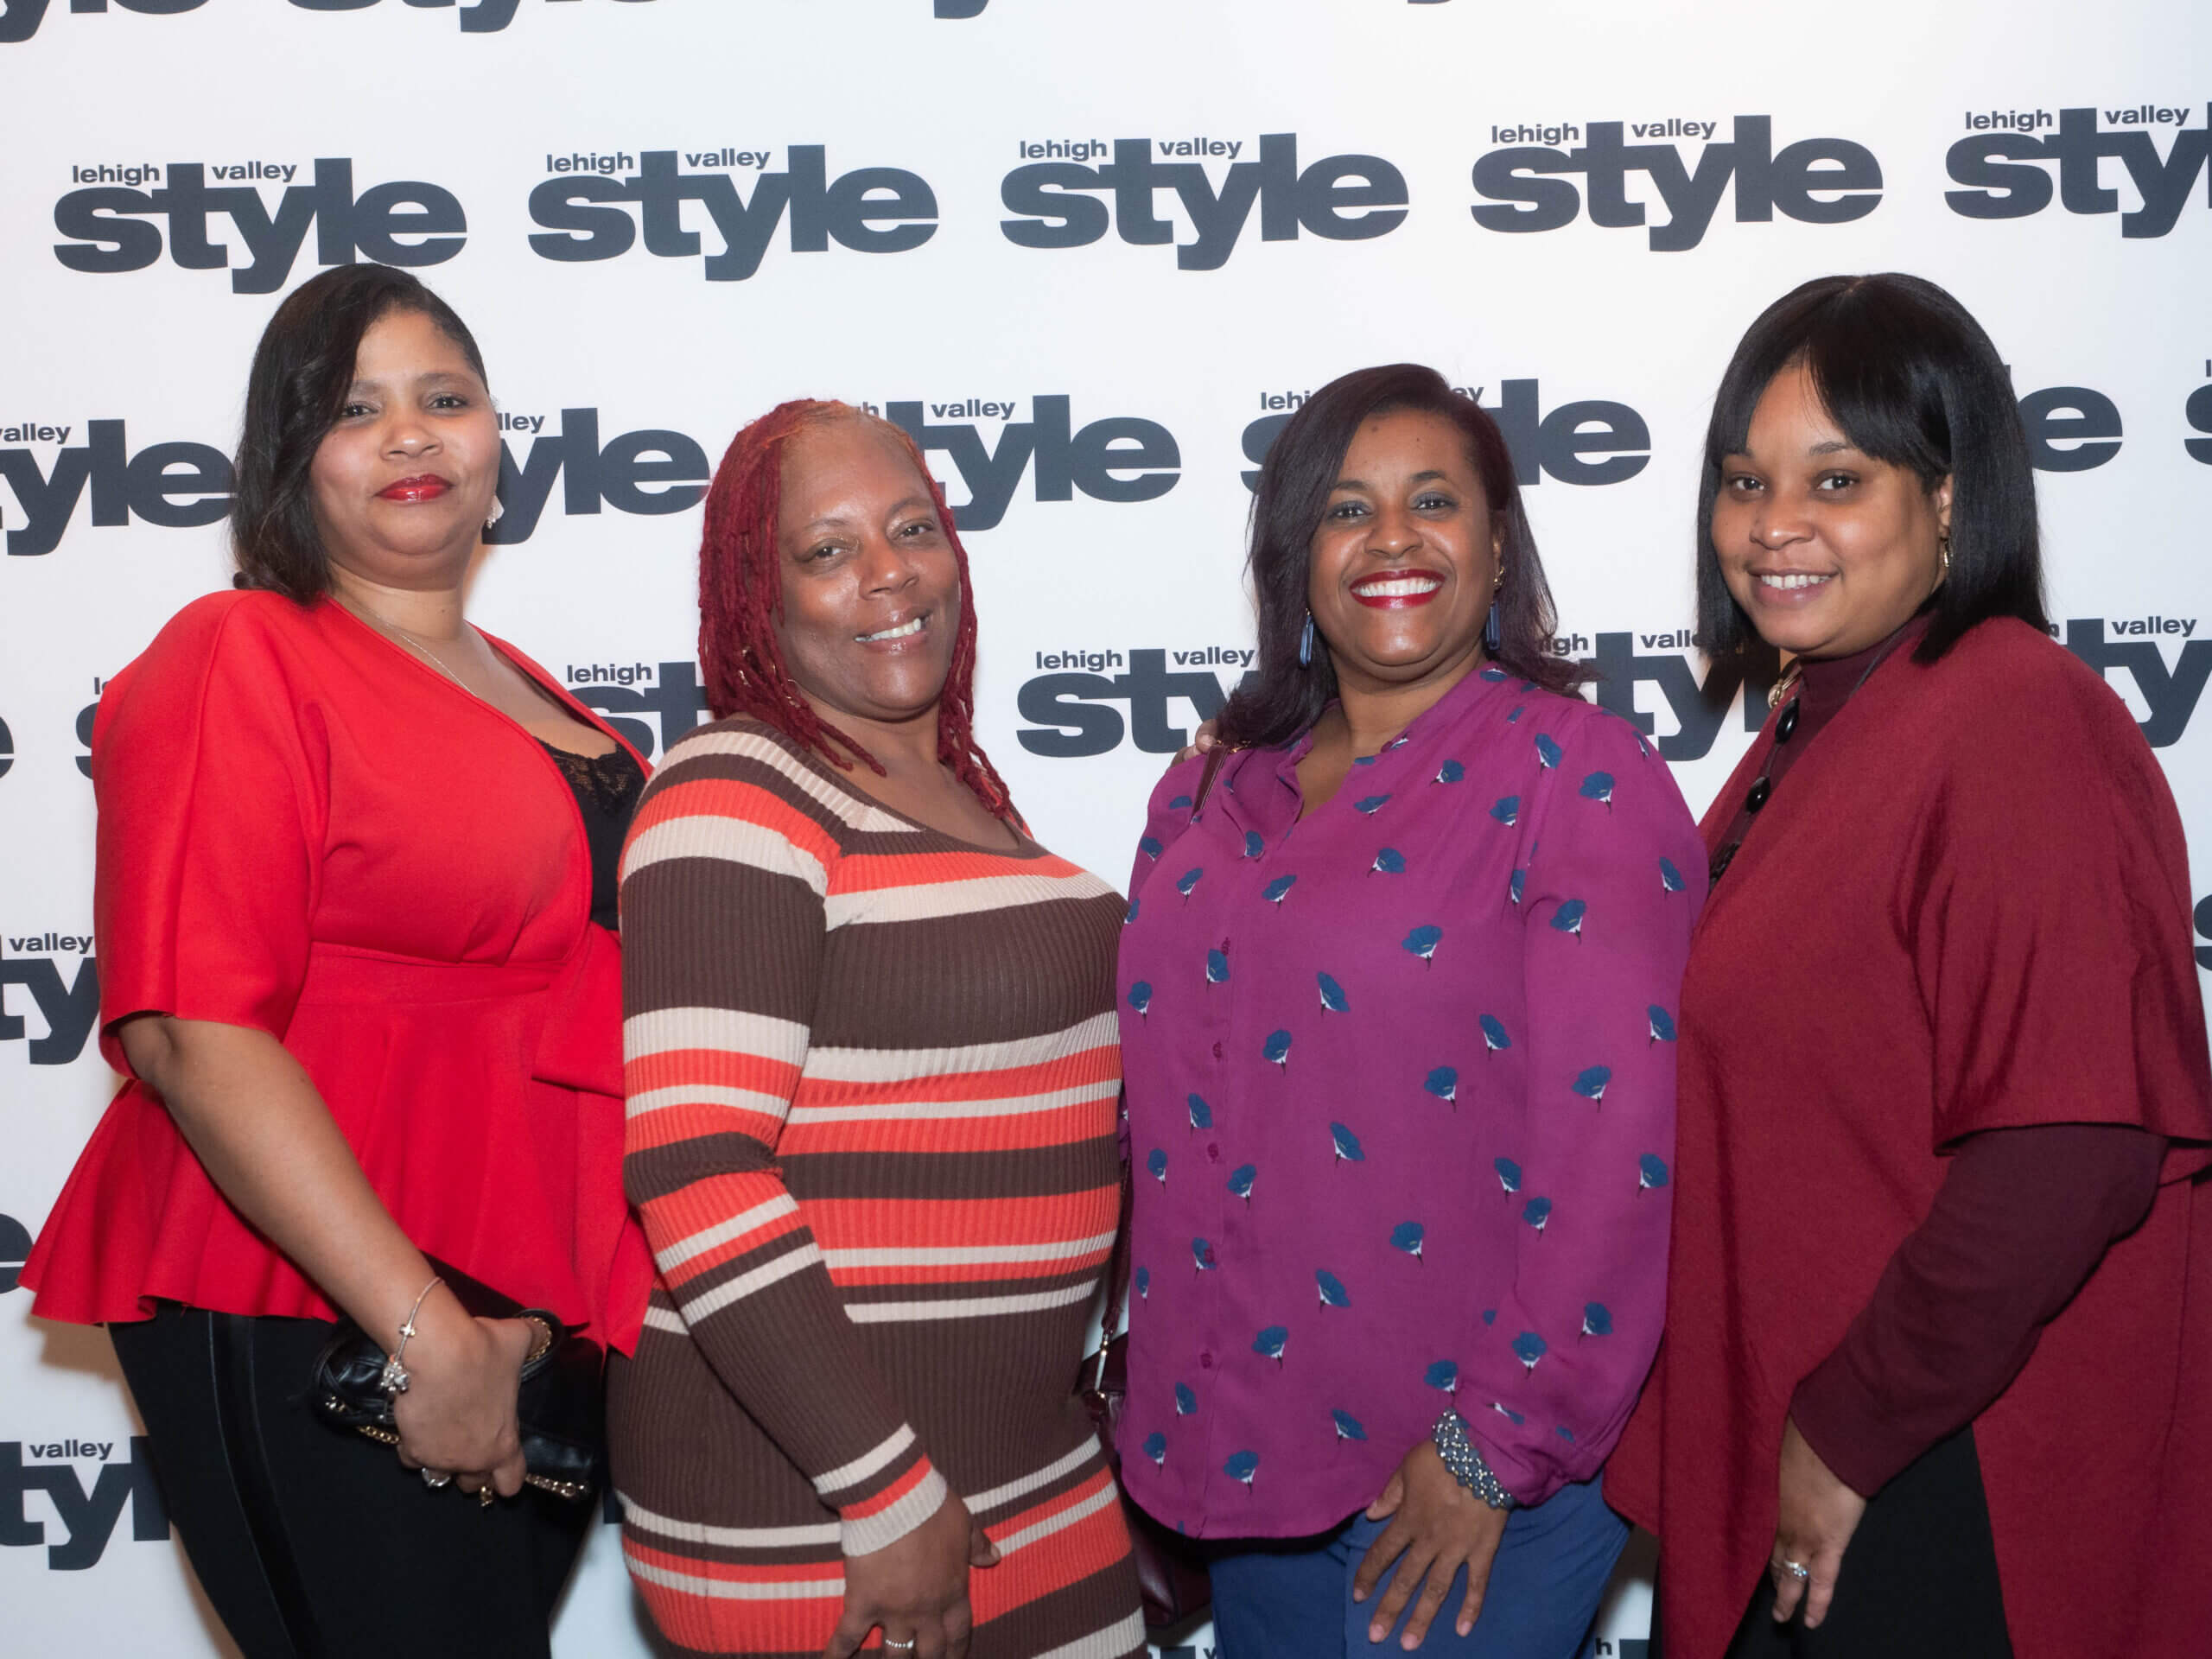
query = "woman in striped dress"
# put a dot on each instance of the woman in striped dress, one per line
(872, 1067)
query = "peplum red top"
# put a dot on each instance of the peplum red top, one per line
(306, 830)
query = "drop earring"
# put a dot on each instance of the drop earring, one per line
(493, 517)
(1493, 630)
(1944, 547)
(1306, 643)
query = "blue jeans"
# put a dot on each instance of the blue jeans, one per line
(1291, 1597)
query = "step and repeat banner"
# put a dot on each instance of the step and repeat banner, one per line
(1091, 255)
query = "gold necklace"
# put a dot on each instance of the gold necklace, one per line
(409, 638)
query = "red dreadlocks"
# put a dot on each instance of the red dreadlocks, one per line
(741, 600)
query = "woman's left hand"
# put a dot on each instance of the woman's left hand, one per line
(1437, 1526)
(1818, 1515)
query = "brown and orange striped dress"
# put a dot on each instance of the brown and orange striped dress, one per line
(871, 1074)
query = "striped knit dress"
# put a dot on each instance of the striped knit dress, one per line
(872, 1075)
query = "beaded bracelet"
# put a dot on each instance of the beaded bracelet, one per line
(1466, 1464)
(393, 1379)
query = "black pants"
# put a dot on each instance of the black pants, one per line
(313, 1543)
(1918, 1581)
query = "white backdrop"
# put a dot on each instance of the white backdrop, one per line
(1090, 246)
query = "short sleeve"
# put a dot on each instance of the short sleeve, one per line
(2048, 907)
(209, 774)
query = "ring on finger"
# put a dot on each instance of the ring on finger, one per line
(1800, 1573)
(907, 1646)
(435, 1479)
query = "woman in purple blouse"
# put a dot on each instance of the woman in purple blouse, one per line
(1397, 1001)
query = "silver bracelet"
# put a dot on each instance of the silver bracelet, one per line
(393, 1379)
(1466, 1464)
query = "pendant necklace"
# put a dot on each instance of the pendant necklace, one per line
(1784, 729)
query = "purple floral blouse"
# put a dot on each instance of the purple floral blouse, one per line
(1400, 1107)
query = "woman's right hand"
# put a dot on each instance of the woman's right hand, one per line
(915, 1588)
(1200, 743)
(458, 1416)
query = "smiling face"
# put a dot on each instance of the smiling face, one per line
(1404, 562)
(871, 589)
(401, 485)
(1828, 550)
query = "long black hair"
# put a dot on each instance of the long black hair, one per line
(302, 370)
(1285, 698)
(1910, 377)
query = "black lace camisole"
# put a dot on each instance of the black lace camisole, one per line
(607, 788)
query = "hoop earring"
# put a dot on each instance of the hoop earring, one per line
(1306, 643)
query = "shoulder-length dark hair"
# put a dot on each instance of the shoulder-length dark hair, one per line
(1285, 698)
(1908, 376)
(303, 369)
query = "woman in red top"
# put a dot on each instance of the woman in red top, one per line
(1937, 1375)
(354, 906)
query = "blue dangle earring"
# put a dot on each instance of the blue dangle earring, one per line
(1305, 639)
(1493, 632)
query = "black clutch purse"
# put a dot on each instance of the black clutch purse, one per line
(561, 1405)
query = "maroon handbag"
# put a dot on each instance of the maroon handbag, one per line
(1170, 1573)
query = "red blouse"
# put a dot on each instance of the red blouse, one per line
(305, 830)
(1966, 908)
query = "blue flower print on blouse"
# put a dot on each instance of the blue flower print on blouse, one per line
(1590, 1082)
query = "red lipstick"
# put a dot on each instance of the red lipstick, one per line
(1397, 590)
(427, 488)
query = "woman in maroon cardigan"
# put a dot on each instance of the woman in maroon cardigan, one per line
(1937, 1376)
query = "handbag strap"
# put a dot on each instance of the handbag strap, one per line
(1117, 1280)
(1214, 756)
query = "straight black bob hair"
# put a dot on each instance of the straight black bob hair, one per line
(1910, 377)
(1284, 698)
(303, 369)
